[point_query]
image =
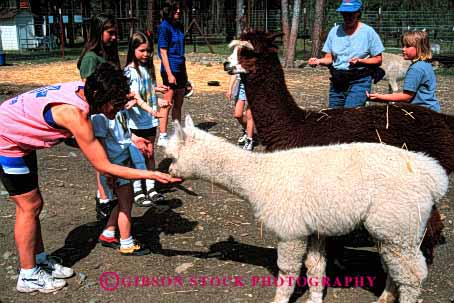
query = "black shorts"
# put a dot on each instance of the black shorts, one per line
(181, 77)
(19, 175)
(144, 133)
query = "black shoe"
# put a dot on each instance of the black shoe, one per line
(109, 242)
(103, 210)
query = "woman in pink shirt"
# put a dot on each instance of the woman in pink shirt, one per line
(43, 118)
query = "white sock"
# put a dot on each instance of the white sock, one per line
(101, 201)
(149, 184)
(137, 186)
(29, 272)
(41, 258)
(163, 135)
(127, 243)
(108, 233)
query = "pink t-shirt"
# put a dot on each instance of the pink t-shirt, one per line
(22, 125)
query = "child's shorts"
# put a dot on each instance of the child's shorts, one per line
(135, 160)
(118, 182)
(241, 93)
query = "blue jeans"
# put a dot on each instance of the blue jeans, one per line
(353, 95)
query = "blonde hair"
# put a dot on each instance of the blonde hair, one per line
(420, 40)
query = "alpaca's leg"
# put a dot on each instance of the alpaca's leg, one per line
(389, 294)
(393, 87)
(407, 268)
(315, 264)
(289, 260)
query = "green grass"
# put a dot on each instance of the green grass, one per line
(446, 72)
(40, 56)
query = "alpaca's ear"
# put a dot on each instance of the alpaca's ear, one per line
(178, 131)
(246, 44)
(234, 43)
(188, 127)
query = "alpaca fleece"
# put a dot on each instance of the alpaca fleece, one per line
(325, 191)
(281, 124)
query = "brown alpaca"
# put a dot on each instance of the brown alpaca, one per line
(282, 124)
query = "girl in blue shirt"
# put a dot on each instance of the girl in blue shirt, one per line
(173, 65)
(420, 82)
(143, 110)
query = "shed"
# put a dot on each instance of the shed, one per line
(17, 29)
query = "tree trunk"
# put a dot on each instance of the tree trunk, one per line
(150, 11)
(291, 47)
(239, 17)
(285, 27)
(317, 27)
(220, 17)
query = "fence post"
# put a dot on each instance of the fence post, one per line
(62, 41)
(379, 21)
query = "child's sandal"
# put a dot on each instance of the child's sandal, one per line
(141, 200)
(154, 196)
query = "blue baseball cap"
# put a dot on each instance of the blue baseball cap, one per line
(350, 6)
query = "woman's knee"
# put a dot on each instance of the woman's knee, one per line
(29, 203)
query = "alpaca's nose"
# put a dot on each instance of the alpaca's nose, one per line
(227, 66)
(172, 169)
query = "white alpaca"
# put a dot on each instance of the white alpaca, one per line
(306, 194)
(395, 67)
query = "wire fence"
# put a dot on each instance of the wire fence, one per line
(222, 28)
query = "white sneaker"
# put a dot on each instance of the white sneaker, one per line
(57, 270)
(40, 281)
(163, 141)
(249, 145)
(242, 139)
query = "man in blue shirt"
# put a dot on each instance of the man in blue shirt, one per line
(352, 50)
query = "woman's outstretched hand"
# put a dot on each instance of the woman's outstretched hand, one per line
(163, 177)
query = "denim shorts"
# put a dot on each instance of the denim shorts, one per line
(241, 93)
(135, 160)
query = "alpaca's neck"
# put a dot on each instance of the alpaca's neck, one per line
(271, 103)
(227, 165)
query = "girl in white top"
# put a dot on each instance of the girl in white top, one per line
(143, 111)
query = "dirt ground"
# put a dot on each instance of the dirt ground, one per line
(207, 237)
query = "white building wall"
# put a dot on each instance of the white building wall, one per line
(8, 35)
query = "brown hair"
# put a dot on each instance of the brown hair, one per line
(420, 40)
(135, 41)
(99, 23)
